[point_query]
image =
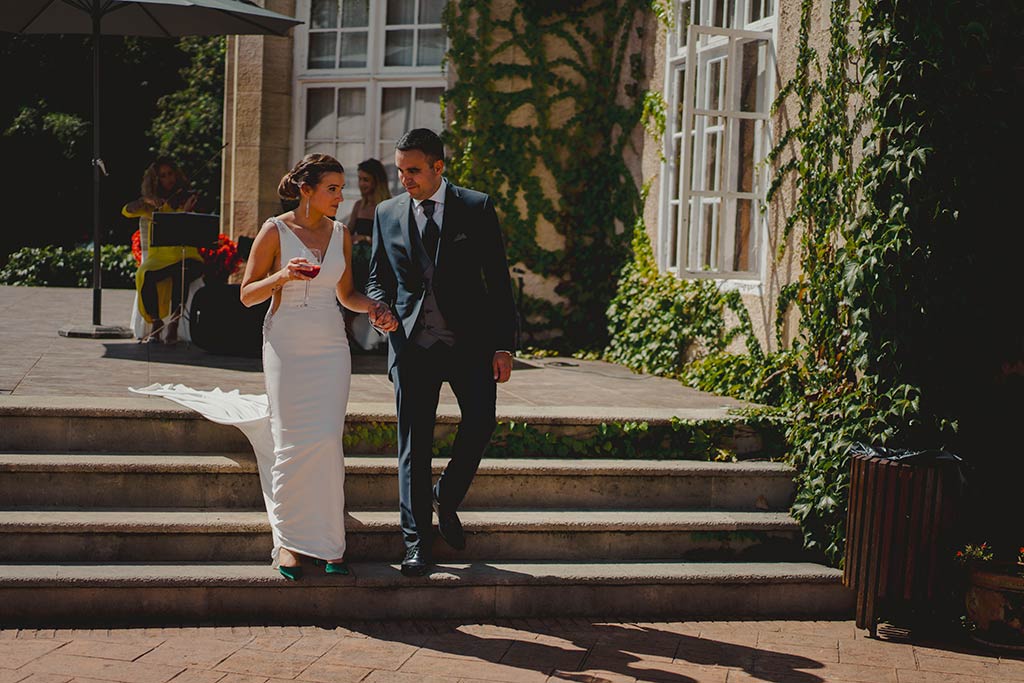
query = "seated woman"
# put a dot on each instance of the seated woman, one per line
(159, 278)
(373, 189)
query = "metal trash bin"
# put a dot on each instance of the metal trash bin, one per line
(899, 525)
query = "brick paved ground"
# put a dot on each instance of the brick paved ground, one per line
(514, 651)
(35, 361)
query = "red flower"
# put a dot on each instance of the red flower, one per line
(137, 246)
(222, 262)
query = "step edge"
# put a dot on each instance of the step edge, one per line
(161, 409)
(383, 522)
(362, 465)
(447, 575)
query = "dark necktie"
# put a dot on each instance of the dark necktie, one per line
(432, 232)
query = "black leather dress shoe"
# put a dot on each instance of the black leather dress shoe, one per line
(416, 562)
(449, 526)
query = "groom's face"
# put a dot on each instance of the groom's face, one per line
(418, 175)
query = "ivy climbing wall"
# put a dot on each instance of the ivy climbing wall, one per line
(888, 312)
(546, 112)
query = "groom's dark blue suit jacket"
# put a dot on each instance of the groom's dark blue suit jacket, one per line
(471, 280)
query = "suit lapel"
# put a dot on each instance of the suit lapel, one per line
(403, 224)
(452, 218)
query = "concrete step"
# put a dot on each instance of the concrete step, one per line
(41, 594)
(189, 535)
(230, 481)
(57, 424)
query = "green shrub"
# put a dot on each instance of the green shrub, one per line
(59, 267)
(658, 323)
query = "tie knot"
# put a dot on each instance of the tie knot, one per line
(428, 208)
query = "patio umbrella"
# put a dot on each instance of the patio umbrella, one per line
(156, 18)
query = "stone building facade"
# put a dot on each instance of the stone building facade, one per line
(357, 73)
(347, 82)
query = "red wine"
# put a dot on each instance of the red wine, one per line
(310, 270)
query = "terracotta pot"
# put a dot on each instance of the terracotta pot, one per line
(995, 604)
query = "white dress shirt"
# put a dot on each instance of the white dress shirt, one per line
(421, 217)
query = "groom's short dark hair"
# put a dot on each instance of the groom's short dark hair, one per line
(425, 140)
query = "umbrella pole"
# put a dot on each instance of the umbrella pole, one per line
(96, 330)
(97, 285)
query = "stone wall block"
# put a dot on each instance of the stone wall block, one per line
(275, 121)
(277, 65)
(248, 116)
(246, 217)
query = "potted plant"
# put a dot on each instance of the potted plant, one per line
(221, 263)
(995, 596)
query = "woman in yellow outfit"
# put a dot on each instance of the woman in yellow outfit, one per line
(158, 280)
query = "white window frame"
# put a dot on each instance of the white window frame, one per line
(374, 46)
(300, 128)
(704, 44)
(380, 6)
(374, 77)
(372, 142)
(379, 98)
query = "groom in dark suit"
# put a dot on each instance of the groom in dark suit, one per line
(439, 262)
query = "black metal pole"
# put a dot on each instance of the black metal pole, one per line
(97, 284)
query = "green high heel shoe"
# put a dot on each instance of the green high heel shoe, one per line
(290, 573)
(339, 568)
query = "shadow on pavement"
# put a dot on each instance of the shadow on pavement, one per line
(604, 652)
(179, 354)
(191, 355)
(363, 363)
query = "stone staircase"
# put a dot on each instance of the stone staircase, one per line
(93, 529)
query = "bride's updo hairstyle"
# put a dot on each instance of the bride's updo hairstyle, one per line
(309, 171)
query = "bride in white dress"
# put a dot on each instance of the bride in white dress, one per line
(300, 260)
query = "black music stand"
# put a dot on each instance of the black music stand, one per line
(184, 229)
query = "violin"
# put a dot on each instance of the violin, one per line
(181, 197)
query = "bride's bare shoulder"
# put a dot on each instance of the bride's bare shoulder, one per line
(268, 233)
(288, 218)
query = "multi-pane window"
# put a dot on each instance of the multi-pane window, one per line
(339, 34)
(403, 108)
(336, 122)
(414, 36)
(366, 71)
(719, 88)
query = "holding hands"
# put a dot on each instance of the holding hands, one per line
(381, 317)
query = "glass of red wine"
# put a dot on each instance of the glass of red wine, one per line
(311, 270)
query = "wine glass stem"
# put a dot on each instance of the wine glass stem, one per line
(305, 296)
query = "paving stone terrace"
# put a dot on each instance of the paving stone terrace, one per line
(513, 651)
(35, 361)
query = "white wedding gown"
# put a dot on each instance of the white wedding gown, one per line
(297, 437)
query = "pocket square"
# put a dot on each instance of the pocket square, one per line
(461, 236)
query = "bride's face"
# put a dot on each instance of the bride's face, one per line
(326, 196)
